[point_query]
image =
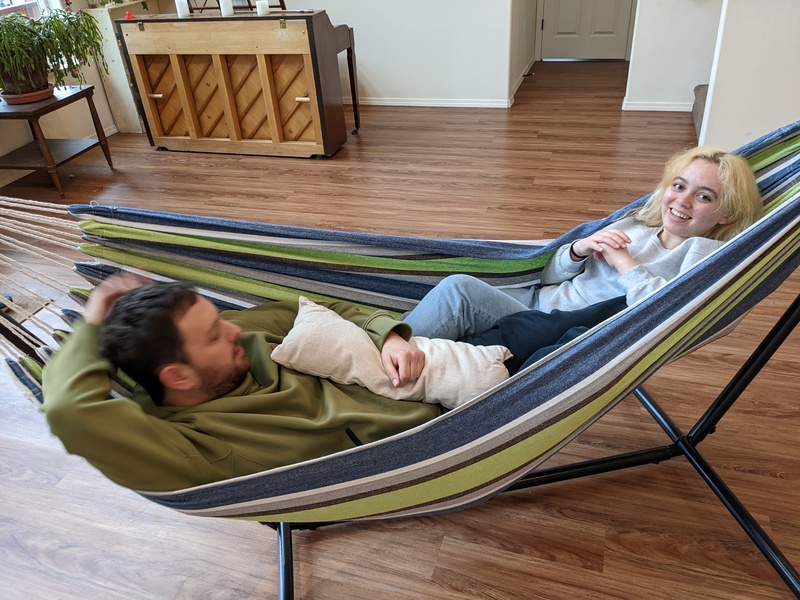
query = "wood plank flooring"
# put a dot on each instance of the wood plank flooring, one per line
(564, 153)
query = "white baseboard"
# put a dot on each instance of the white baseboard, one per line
(657, 106)
(521, 78)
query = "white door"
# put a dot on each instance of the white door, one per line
(586, 28)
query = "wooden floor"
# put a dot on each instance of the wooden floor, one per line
(564, 153)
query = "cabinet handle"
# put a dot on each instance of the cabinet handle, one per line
(157, 96)
(302, 99)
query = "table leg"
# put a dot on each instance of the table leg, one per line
(351, 67)
(52, 169)
(98, 127)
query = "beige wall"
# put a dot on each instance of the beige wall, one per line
(755, 81)
(748, 52)
(672, 52)
(522, 41)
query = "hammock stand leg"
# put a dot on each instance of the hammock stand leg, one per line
(285, 556)
(686, 446)
(285, 562)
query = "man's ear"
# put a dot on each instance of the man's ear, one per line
(177, 376)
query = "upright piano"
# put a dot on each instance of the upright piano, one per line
(245, 84)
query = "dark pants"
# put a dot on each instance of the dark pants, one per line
(532, 334)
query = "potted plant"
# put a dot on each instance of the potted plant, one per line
(61, 42)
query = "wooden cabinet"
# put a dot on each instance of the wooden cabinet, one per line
(245, 84)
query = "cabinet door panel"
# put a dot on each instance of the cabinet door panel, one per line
(249, 96)
(162, 92)
(293, 89)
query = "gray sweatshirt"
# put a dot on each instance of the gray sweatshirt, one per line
(567, 285)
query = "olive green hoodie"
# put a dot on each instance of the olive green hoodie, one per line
(274, 417)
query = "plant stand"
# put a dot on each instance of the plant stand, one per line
(43, 154)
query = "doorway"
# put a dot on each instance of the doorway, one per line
(587, 29)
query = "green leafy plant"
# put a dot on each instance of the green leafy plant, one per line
(60, 42)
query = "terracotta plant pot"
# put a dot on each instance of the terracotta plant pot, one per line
(27, 97)
(32, 88)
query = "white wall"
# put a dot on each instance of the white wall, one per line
(755, 84)
(523, 42)
(423, 53)
(672, 52)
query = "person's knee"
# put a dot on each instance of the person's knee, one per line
(457, 282)
(461, 287)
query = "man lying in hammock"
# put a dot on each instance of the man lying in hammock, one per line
(218, 406)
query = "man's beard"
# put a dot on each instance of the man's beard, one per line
(217, 385)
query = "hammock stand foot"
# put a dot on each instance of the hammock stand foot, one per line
(686, 445)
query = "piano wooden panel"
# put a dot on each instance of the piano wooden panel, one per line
(245, 84)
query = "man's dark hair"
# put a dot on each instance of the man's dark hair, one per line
(139, 334)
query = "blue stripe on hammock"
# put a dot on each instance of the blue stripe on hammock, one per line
(452, 247)
(757, 145)
(470, 248)
(784, 177)
(22, 376)
(378, 283)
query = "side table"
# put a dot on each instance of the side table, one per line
(44, 154)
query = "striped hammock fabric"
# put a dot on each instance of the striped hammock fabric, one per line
(475, 451)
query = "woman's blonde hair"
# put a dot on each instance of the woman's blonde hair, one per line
(740, 201)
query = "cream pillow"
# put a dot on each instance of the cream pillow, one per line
(324, 344)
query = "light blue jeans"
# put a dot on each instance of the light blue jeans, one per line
(462, 305)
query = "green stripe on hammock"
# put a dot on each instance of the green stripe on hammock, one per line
(781, 198)
(476, 475)
(209, 277)
(455, 264)
(774, 153)
(33, 367)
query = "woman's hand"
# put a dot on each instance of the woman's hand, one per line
(618, 258)
(610, 245)
(598, 242)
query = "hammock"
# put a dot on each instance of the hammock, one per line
(495, 441)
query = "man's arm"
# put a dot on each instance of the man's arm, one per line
(128, 445)
(402, 362)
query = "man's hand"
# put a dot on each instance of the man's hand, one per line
(107, 292)
(402, 362)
